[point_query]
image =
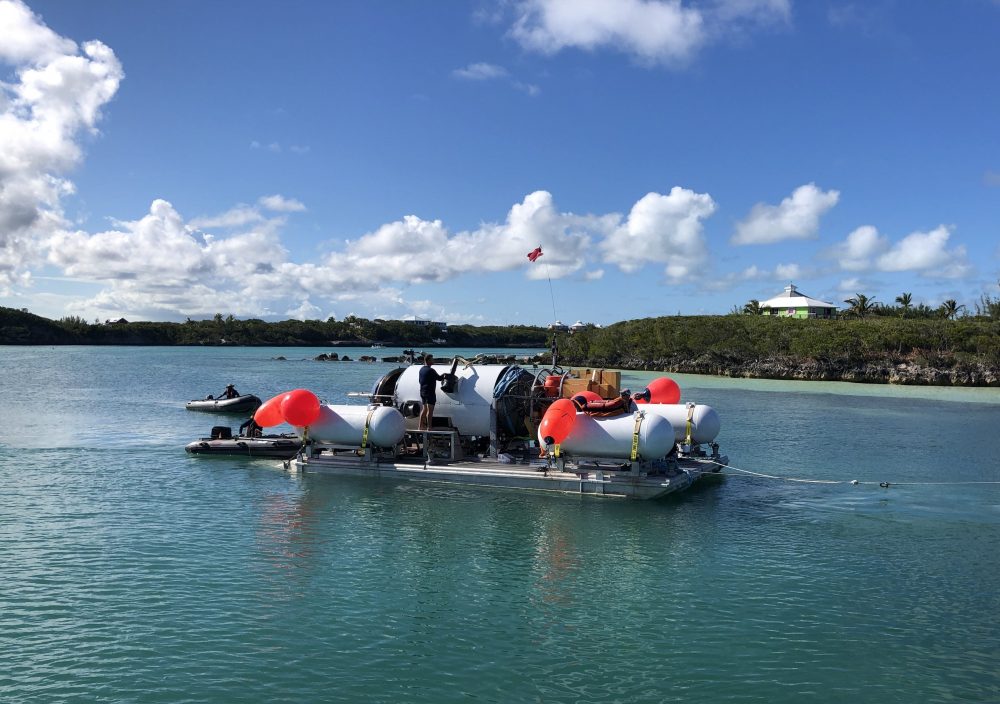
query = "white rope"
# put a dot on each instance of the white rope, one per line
(833, 481)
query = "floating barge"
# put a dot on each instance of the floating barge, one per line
(420, 462)
(489, 429)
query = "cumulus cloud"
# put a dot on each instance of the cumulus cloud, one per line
(653, 31)
(928, 253)
(55, 97)
(125, 253)
(26, 39)
(304, 311)
(416, 250)
(856, 253)
(796, 217)
(236, 262)
(664, 229)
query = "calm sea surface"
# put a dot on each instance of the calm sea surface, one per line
(131, 572)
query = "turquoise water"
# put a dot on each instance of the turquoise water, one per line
(130, 572)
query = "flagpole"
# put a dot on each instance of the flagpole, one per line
(551, 294)
(533, 257)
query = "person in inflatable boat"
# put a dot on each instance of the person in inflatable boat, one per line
(230, 392)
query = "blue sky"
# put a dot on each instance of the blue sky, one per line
(384, 159)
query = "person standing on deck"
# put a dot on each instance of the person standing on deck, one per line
(429, 378)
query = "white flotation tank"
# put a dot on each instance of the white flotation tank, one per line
(467, 407)
(705, 422)
(345, 425)
(594, 436)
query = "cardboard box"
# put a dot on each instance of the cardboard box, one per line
(571, 387)
(611, 377)
(606, 390)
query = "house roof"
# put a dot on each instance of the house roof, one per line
(793, 298)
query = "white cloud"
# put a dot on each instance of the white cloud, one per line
(651, 30)
(787, 271)
(796, 217)
(279, 203)
(26, 39)
(245, 269)
(415, 250)
(856, 253)
(490, 72)
(927, 253)
(304, 311)
(242, 215)
(480, 72)
(237, 216)
(852, 285)
(654, 31)
(57, 93)
(663, 229)
(781, 272)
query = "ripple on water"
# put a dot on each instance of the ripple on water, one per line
(133, 573)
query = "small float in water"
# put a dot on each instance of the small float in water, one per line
(223, 443)
(246, 403)
(505, 426)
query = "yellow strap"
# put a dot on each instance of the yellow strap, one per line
(687, 440)
(555, 452)
(364, 435)
(635, 437)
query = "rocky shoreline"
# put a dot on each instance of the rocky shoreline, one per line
(902, 372)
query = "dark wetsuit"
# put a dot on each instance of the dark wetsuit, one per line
(429, 378)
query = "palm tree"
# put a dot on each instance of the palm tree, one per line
(950, 308)
(860, 305)
(753, 308)
(906, 301)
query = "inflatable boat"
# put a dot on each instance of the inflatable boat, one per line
(223, 443)
(247, 403)
(504, 426)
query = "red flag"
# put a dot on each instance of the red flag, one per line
(535, 254)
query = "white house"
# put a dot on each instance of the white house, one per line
(792, 303)
(423, 323)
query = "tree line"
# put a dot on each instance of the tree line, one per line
(726, 341)
(861, 305)
(738, 339)
(22, 327)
